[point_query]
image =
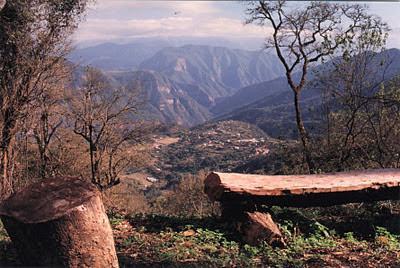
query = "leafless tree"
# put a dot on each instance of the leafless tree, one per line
(33, 41)
(100, 115)
(348, 87)
(363, 114)
(306, 35)
(47, 116)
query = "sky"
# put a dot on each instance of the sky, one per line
(122, 21)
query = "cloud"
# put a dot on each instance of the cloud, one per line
(109, 29)
(188, 8)
(124, 19)
(233, 28)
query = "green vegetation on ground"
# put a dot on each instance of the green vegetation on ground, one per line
(314, 239)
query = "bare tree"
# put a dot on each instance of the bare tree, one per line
(101, 116)
(362, 111)
(348, 88)
(304, 36)
(47, 118)
(33, 41)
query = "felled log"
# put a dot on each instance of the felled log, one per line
(305, 190)
(60, 223)
(243, 195)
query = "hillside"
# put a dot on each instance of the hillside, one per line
(249, 94)
(165, 100)
(269, 105)
(219, 146)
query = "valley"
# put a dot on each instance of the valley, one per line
(222, 109)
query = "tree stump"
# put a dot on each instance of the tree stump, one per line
(60, 222)
(259, 227)
(255, 227)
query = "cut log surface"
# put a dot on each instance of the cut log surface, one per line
(306, 190)
(60, 223)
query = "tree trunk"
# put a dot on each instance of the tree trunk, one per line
(303, 133)
(7, 140)
(60, 223)
(6, 183)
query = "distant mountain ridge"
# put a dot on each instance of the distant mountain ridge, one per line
(217, 71)
(110, 56)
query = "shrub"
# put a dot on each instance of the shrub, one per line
(186, 199)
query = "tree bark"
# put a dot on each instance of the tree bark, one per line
(7, 143)
(303, 133)
(60, 222)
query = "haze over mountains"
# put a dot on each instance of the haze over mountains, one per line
(128, 55)
(191, 84)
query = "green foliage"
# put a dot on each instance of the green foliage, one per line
(115, 218)
(386, 239)
(3, 233)
(349, 236)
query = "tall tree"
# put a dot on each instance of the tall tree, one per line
(33, 41)
(303, 36)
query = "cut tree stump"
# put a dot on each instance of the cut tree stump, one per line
(60, 222)
(259, 227)
(242, 195)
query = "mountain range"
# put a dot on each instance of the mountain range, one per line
(192, 84)
(219, 72)
(181, 84)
